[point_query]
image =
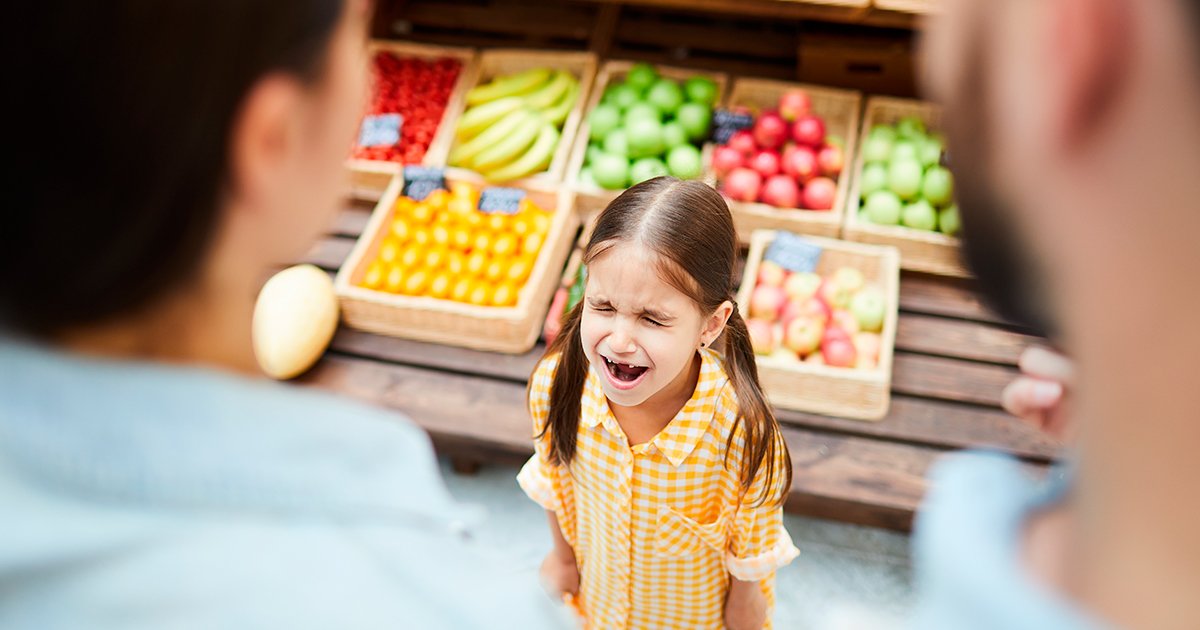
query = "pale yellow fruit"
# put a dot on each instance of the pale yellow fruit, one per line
(294, 320)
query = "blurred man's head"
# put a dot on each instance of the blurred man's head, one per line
(1074, 129)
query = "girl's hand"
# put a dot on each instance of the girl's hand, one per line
(745, 606)
(560, 575)
(1039, 395)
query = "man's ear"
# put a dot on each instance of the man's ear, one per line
(1092, 43)
(264, 136)
(715, 324)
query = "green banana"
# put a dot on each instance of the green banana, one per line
(551, 92)
(509, 148)
(558, 113)
(463, 154)
(536, 159)
(512, 85)
(480, 117)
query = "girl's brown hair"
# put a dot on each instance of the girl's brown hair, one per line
(689, 226)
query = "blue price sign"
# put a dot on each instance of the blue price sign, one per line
(419, 181)
(381, 130)
(794, 253)
(500, 200)
(726, 123)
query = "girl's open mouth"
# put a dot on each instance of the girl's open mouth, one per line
(624, 375)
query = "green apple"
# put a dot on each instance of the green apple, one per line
(904, 150)
(617, 143)
(593, 150)
(684, 162)
(702, 90)
(647, 168)
(938, 188)
(874, 178)
(587, 178)
(948, 221)
(621, 95)
(877, 149)
(883, 207)
(887, 132)
(910, 127)
(904, 178)
(641, 76)
(919, 215)
(930, 151)
(869, 307)
(603, 120)
(645, 138)
(642, 111)
(674, 134)
(611, 171)
(666, 95)
(695, 119)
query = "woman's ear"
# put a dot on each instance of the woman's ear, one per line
(715, 323)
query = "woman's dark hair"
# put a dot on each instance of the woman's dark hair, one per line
(123, 116)
(688, 226)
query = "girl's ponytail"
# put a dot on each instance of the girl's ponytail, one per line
(764, 441)
(566, 389)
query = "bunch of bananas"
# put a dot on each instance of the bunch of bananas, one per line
(512, 126)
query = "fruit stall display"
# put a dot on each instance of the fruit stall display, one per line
(442, 269)
(570, 288)
(521, 116)
(642, 121)
(424, 84)
(903, 194)
(822, 317)
(788, 170)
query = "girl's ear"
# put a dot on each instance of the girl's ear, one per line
(715, 323)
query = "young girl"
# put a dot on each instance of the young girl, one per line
(659, 461)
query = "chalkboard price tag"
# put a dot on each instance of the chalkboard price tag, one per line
(500, 200)
(794, 253)
(726, 123)
(419, 181)
(380, 131)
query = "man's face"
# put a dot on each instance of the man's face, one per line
(959, 73)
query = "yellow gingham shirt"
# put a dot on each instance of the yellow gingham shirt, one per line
(658, 528)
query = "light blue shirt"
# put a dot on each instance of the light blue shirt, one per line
(967, 549)
(146, 496)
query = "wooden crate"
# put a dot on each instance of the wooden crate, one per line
(919, 7)
(842, 392)
(592, 198)
(841, 110)
(501, 329)
(502, 61)
(881, 62)
(920, 250)
(439, 146)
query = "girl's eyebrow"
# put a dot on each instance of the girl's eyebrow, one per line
(648, 312)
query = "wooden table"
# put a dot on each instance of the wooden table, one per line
(952, 360)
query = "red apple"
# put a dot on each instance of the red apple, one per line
(834, 333)
(868, 346)
(766, 162)
(742, 142)
(812, 307)
(766, 302)
(801, 286)
(809, 130)
(794, 104)
(762, 336)
(725, 159)
(770, 274)
(839, 353)
(846, 321)
(819, 194)
(803, 334)
(770, 130)
(743, 184)
(832, 160)
(781, 191)
(800, 162)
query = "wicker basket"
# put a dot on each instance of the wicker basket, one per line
(920, 250)
(842, 392)
(502, 61)
(502, 329)
(840, 109)
(439, 147)
(591, 198)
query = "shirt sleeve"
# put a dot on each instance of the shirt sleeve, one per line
(538, 477)
(759, 543)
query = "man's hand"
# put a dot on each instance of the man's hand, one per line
(1039, 395)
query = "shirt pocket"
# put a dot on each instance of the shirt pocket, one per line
(677, 535)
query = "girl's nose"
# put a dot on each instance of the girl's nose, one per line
(621, 340)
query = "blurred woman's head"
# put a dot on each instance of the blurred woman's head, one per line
(171, 145)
